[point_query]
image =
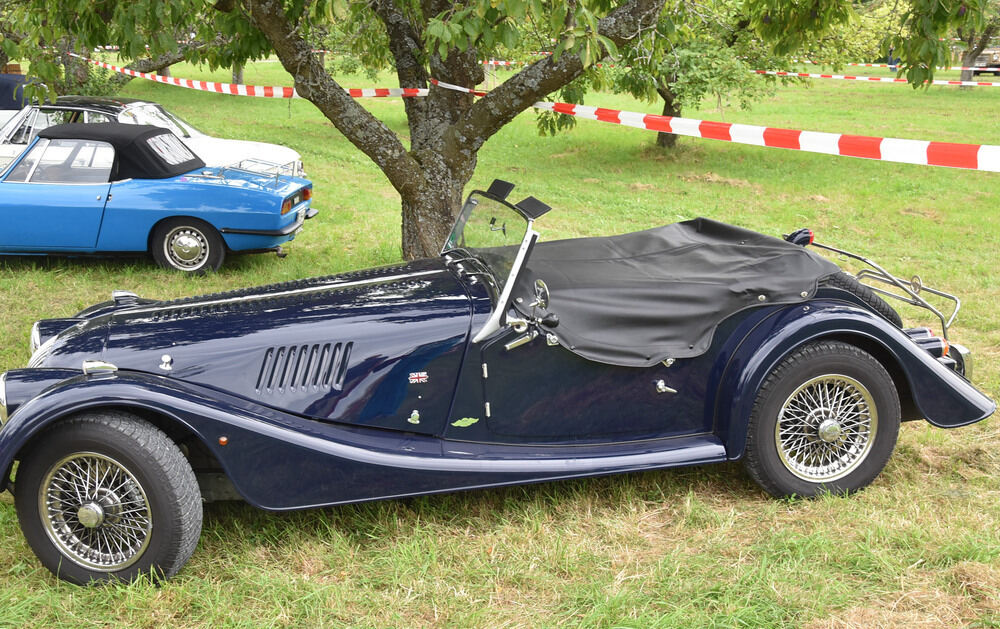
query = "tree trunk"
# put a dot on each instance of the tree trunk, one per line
(670, 108)
(447, 128)
(238, 73)
(75, 73)
(164, 71)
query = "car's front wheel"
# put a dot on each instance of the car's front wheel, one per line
(825, 420)
(107, 496)
(187, 244)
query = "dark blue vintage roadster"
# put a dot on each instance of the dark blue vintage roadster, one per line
(503, 361)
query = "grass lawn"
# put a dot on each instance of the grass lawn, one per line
(694, 547)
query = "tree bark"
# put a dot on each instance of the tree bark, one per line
(447, 128)
(976, 43)
(670, 108)
(238, 73)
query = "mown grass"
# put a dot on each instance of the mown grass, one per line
(688, 548)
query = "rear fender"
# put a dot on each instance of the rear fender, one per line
(940, 395)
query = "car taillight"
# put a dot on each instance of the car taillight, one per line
(286, 207)
(307, 193)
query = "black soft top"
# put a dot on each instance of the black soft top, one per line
(639, 298)
(136, 157)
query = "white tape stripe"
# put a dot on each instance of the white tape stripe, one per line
(747, 134)
(685, 126)
(820, 142)
(989, 158)
(905, 151)
(632, 119)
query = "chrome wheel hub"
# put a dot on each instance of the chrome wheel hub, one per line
(826, 428)
(186, 247)
(95, 511)
(91, 515)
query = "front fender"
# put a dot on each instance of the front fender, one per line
(940, 395)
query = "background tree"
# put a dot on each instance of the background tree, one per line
(976, 40)
(430, 38)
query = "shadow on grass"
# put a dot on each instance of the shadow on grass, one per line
(384, 522)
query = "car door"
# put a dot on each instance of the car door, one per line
(53, 198)
(539, 393)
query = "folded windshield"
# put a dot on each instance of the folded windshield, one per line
(492, 231)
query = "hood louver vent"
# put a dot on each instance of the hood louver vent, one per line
(304, 368)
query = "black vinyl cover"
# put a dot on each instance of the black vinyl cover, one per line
(135, 157)
(639, 298)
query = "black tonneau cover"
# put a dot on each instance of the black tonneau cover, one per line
(639, 298)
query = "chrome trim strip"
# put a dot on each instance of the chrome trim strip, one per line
(967, 361)
(36, 338)
(98, 367)
(300, 291)
(3, 399)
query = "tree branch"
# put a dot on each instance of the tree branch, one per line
(313, 83)
(543, 77)
(405, 45)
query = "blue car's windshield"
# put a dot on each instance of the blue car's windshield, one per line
(491, 231)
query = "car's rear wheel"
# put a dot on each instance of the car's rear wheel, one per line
(825, 420)
(107, 496)
(187, 244)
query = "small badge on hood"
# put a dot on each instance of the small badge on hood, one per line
(418, 377)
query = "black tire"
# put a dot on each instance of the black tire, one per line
(146, 509)
(187, 244)
(848, 282)
(854, 436)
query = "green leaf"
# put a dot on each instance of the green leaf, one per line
(465, 422)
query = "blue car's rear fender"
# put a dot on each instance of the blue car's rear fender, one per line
(933, 391)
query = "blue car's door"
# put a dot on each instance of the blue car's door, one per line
(53, 198)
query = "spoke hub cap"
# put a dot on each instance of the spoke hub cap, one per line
(826, 428)
(91, 515)
(95, 511)
(829, 430)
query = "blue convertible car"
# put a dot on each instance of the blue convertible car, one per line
(110, 188)
(502, 361)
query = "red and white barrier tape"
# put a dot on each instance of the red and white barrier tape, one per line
(971, 156)
(238, 89)
(874, 79)
(951, 154)
(891, 65)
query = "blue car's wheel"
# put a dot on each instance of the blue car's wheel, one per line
(107, 496)
(826, 419)
(187, 244)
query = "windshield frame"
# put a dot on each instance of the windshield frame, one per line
(498, 317)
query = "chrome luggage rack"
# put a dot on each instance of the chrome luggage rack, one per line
(910, 288)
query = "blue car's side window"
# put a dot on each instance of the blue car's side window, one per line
(24, 169)
(66, 161)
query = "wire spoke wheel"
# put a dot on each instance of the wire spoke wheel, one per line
(826, 428)
(96, 511)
